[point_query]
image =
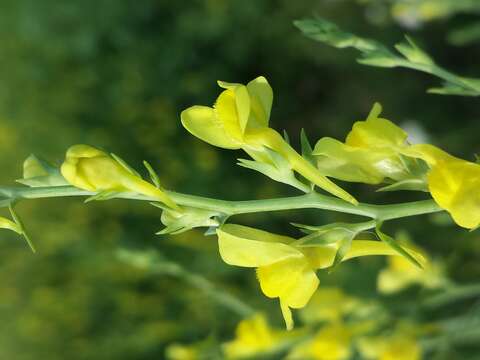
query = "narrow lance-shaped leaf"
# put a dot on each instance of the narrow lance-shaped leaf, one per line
(21, 228)
(277, 168)
(306, 147)
(153, 174)
(38, 172)
(375, 54)
(397, 247)
(125, 165)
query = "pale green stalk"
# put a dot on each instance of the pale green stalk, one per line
(308, 201)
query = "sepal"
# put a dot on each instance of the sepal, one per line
(38, 172)
(177, 222)
(414, 257)
(340, 234)
(413, 53)
(276, 167)
(16, 226)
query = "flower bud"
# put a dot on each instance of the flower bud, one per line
(91, 169)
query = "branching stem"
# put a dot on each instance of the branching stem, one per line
(308, 201)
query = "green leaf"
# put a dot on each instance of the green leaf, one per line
(153, 174)
(407, 184)
(465, 35)
(330, 233)
(330, 236)
(413, 53)
(379, 58)
(375, 54)
(102, 196)
(307, 148)
(343, 248)
(327, 32)
(9, 225)
(341, 234)
(177, 222)
(278, 168)
(156, 263)
(38, 172)
(286, 137)
(452, 89)
(21, 228)
(396, 246)
(123, 163)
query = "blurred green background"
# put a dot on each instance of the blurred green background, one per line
(116, 74)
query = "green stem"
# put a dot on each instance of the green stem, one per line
(312, 200)
(452, 295)
(156, 264)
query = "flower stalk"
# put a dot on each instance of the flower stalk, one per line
(311, 200)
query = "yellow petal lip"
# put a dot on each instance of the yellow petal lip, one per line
(232, 109)
(201, 122)
(454, 187)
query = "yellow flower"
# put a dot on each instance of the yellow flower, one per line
(181, 352)
(284, 270)
(370, 152)
(254, 336)
(328, 304)
(394, 347)
(453, 183)
(239, 120)
(454, 186)
(332, 342)
(94, 170)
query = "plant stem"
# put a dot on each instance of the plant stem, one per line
(156, 264)
(311, 200)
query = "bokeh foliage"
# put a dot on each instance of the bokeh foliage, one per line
(116, 75)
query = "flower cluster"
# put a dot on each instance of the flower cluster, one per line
(376, 151)
(337, 327)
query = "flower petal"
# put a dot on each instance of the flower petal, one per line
(370, 247)
(261, 95)
(428, 153)
(376, 132)
(201, 122)
(349, 163)
(233, 109)
(241, 246)
(454, 186)
(292, 280)
(322, 257)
